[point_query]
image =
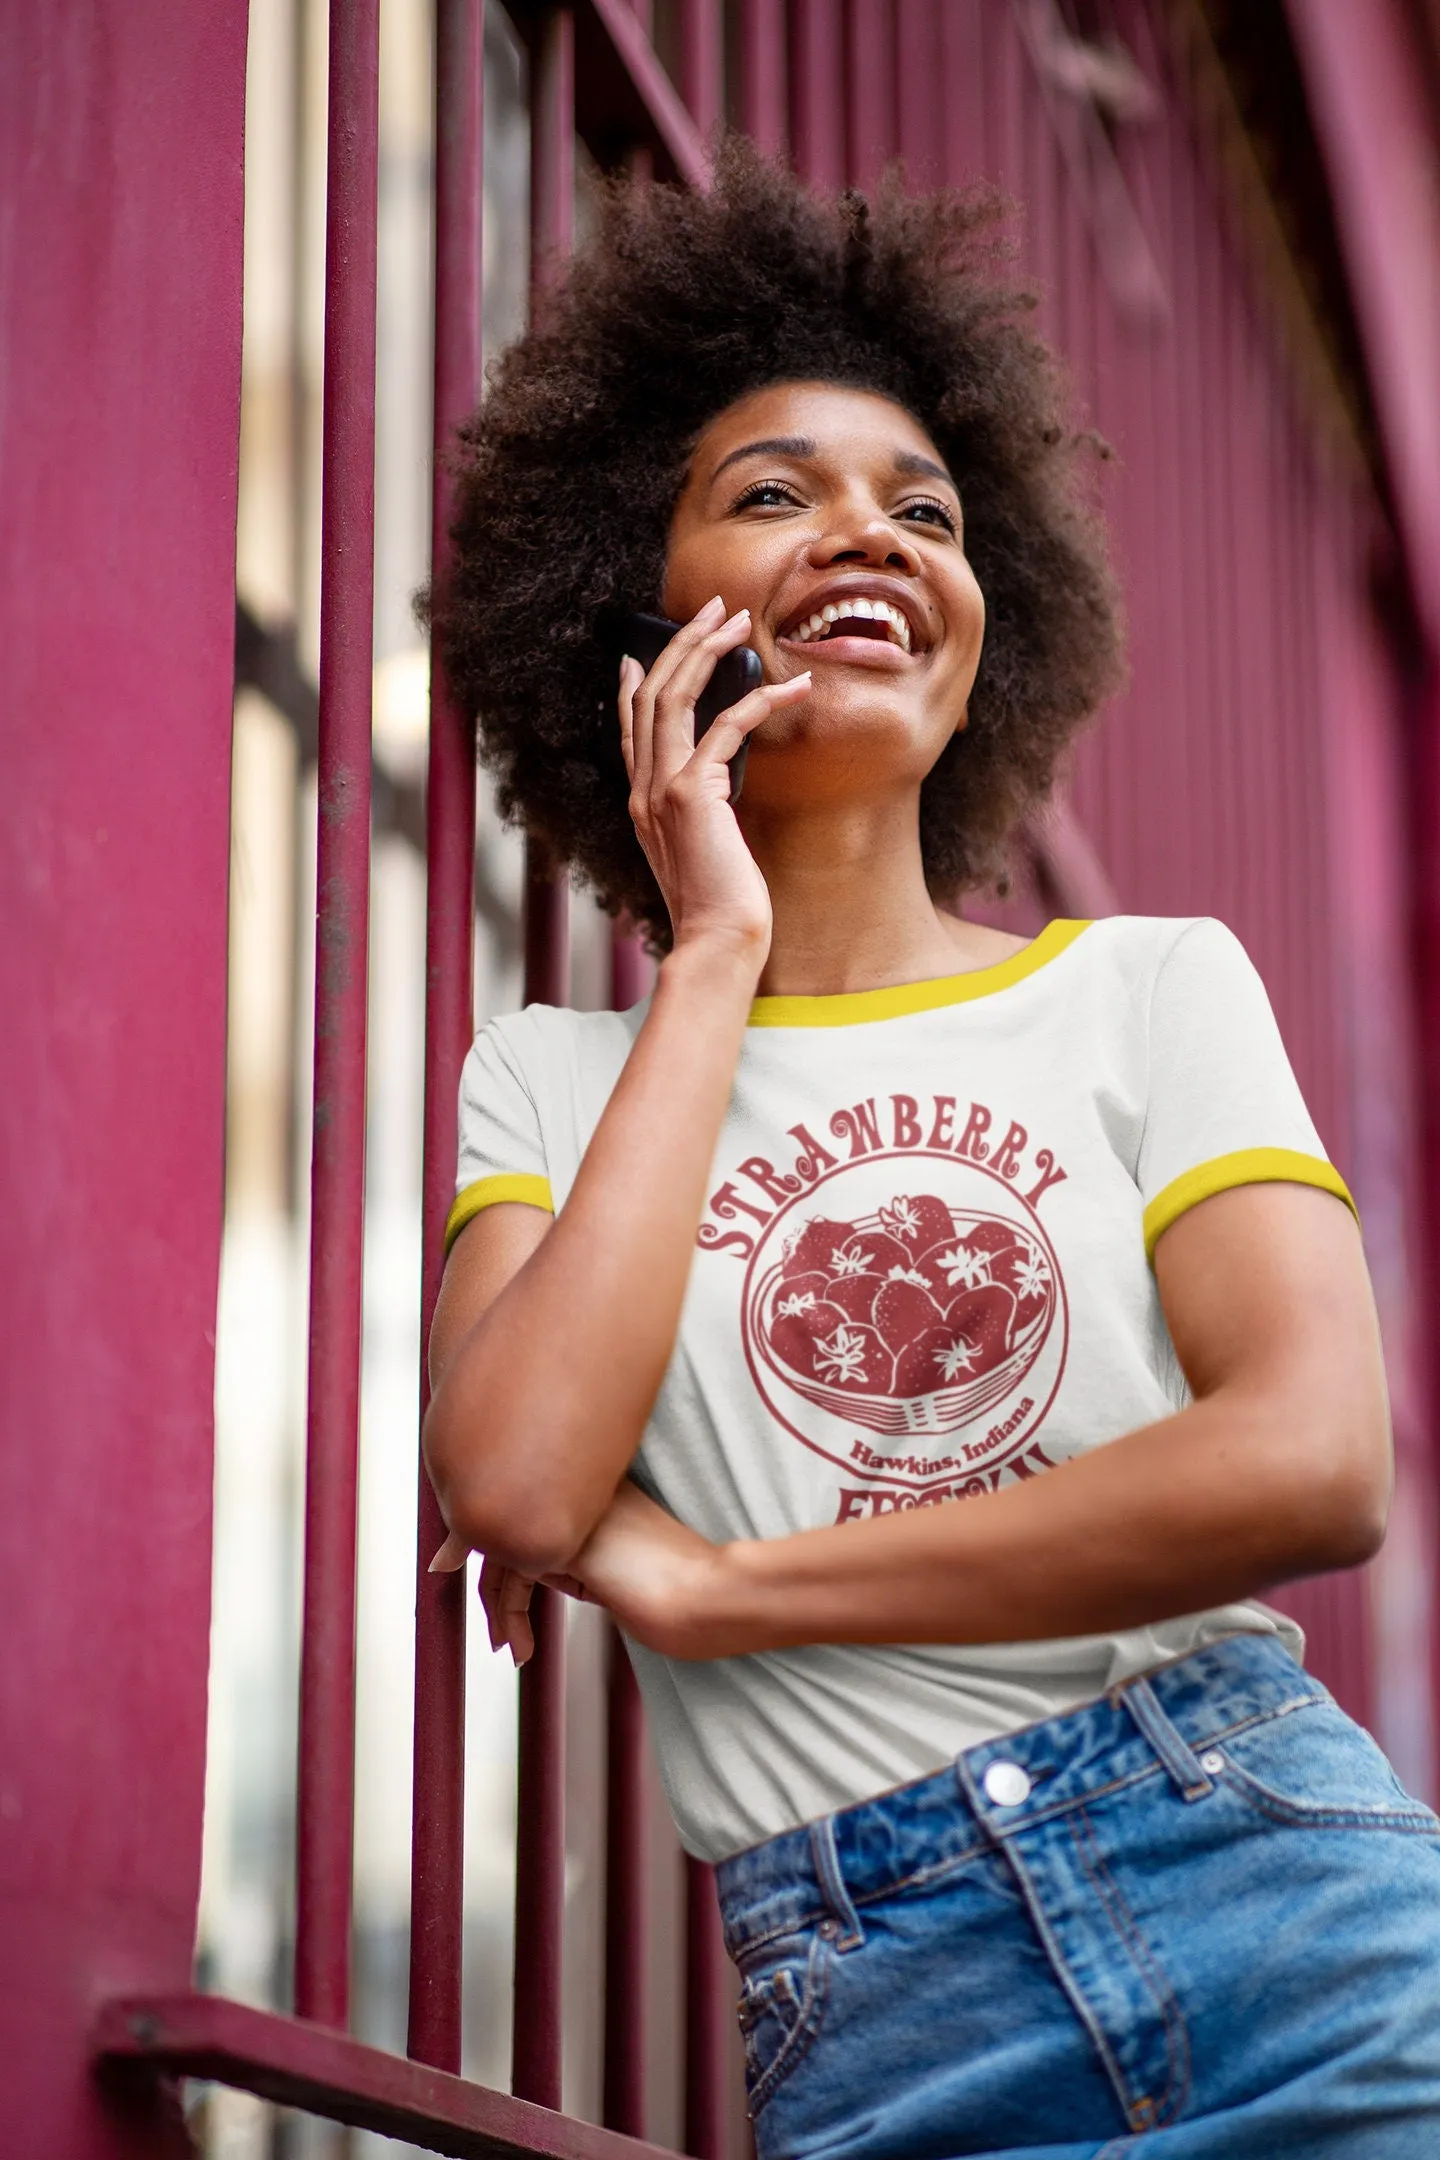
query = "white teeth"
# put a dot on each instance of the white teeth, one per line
(860, 610)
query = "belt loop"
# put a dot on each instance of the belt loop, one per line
(832, 1882)
(1172, 1748)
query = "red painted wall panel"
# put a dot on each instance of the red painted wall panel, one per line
(120, 281)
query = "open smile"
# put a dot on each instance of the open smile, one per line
(859, 624)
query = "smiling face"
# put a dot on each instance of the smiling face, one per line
(828, 512)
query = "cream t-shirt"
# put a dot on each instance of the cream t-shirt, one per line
(923, 1272)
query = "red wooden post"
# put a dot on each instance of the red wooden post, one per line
(437, 1851)
(117, 608)
(540, 1825)
(325, 1839)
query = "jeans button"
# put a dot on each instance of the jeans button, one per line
(1212, 1763)
(1006, 1784)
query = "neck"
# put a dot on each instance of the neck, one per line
(851, 908)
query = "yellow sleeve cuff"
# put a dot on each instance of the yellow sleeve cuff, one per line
(490, 1192)
(1247, 1166)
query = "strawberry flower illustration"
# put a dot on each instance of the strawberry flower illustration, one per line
(969, 1268)
(799, 1301)
(1032, 1277)
(901, 1218)
(842, 1358)
(853, 1263)
(908, 1274)
(955, 1358)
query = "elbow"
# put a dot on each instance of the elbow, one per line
(1348, 1511)
(535, 1532)
(522, 1532)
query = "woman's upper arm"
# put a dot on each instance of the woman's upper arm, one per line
(489, 1252)
(1264, 1289)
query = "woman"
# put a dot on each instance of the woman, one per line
(1032, 1834)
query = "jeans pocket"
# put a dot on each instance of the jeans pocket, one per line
(782, 2004)
(1315, 1767)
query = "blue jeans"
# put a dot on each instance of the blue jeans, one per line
(1199, 1916)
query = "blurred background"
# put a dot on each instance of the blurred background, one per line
(1239, 265)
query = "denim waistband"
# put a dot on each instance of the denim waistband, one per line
(1159, 1722)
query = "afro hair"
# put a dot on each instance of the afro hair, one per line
(568, 473)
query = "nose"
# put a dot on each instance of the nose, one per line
(859, 533)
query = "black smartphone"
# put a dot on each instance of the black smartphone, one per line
(736, 674)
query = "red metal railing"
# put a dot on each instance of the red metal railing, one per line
(326, 1802)
(438, 1816)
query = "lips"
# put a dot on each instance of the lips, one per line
(874, 611)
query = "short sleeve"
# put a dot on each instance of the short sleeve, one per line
(1224, 1107)
(502, 1154)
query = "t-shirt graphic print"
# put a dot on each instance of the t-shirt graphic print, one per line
(905, 1286)
(922, 1272)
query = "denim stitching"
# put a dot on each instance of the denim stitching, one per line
(1039, 1920)
(797, 2044)
(1177, 2036)
(1307, 1815)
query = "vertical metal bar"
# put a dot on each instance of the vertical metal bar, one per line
(540, 1824)
(760, 62)
(702, 63)
(325, 1839)
(627, 1926)
(438, 1806)
(626, 1917)
(706, 2015)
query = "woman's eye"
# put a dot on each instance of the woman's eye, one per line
(925, 509)
(766, 495)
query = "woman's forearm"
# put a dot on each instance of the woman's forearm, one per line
(1218, 1502)
(540, 1408)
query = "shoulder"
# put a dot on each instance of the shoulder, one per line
(545, 1039)
(1140, 950)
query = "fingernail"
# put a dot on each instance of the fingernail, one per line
(711, 605)
(626, 660)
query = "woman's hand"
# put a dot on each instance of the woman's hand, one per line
(646, 1568)
(680, 789)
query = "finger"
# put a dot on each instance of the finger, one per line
(631, 677)
(452, 1555)
(730, 728)
(705, 618)
(513, 1616)
(568, 1585)
(492, 1583)
(674, 724)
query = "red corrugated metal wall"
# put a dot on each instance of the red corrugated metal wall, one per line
(1243, 519)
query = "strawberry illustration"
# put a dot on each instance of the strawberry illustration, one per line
(917, 1220)
(795, 1334)
(798, 1293)
(855, 1294)
(872, 1252)
(814, 1246)
(902, 1312)
(1026, 1273)
(986, 1319)
(854, 1358)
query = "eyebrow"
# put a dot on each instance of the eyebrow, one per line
(803, 446)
